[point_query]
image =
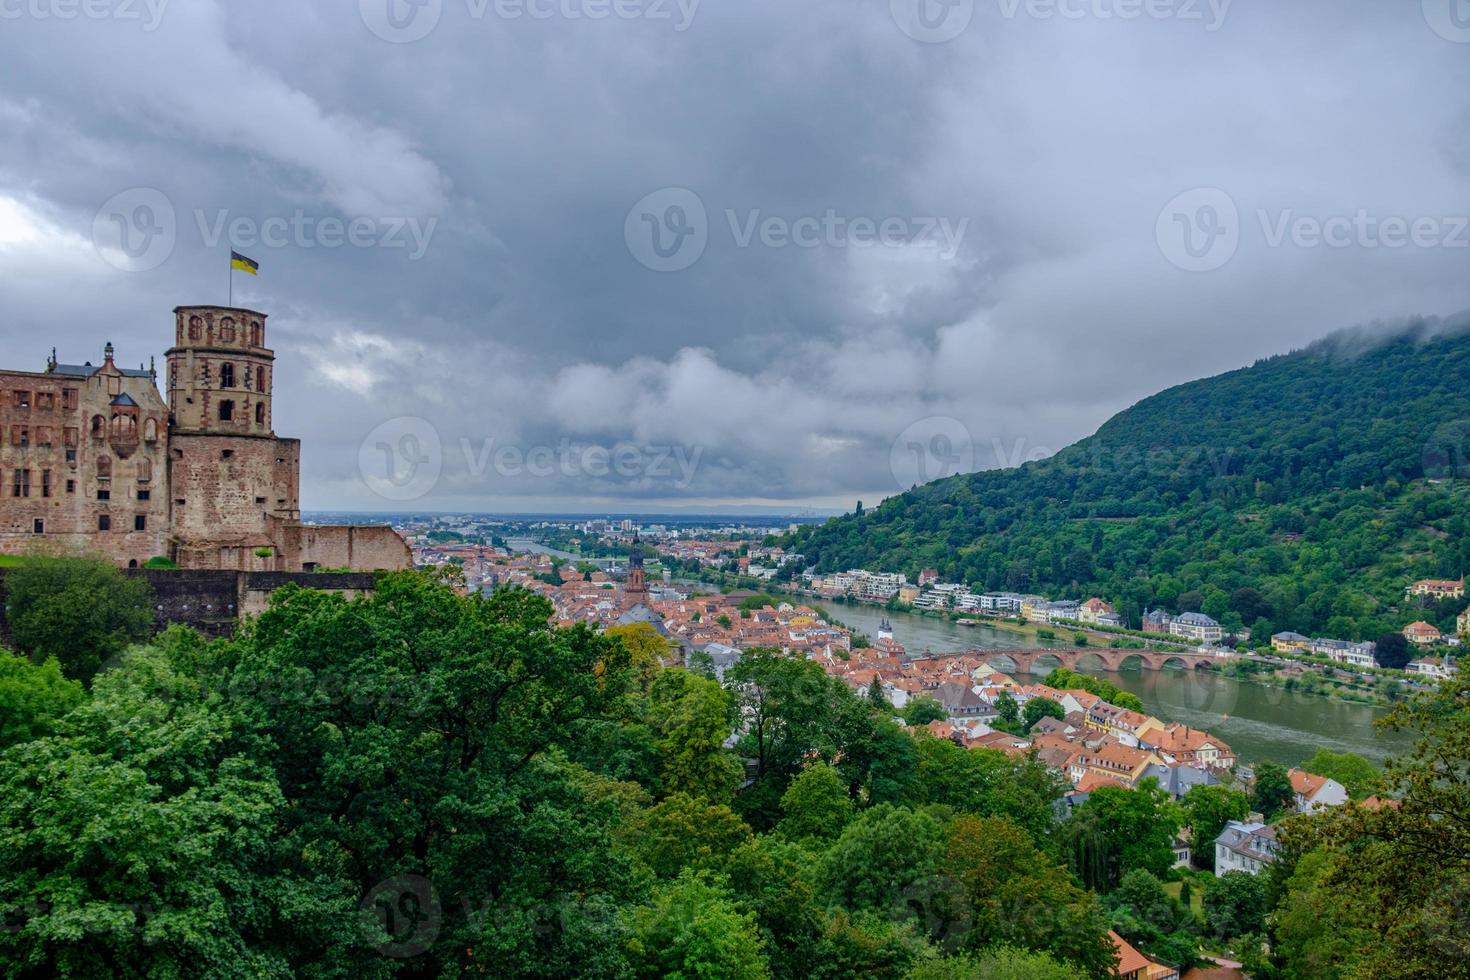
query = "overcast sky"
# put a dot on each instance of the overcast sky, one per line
(590, 255)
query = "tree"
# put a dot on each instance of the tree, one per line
(877, 697)
(1235, 904)
(922, 709)
(646, 649)
(1039, 708)
(693, 929)
(1357, 775)
(880, 855)
(999, 963)
(1007, 714)
(1392, 650)
(690, 718)
(1271, 794)
(816, 805)
(987, 783)
(1207, 809)
(1008, 892)
(1119, 830)
(82, 612)
(682, 833)
(33, 698)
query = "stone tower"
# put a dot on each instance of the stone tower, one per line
(233, 483)
(636, 585)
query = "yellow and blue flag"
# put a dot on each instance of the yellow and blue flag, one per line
(238, 261)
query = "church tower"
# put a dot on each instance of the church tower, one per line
(637, 585)
(233, 482)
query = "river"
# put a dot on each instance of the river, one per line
(1259, 722)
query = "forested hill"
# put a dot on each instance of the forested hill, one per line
(1300, 493)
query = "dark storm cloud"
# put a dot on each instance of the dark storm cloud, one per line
(900, 256)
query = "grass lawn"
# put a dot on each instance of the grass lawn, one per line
(10, 561)
(1196, 898)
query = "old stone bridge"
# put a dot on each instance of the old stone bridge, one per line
(1043, 661)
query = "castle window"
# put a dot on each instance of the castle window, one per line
(145, 495)
(99, 426)
(104, 522)
(38, 527)
(21, 487)
(260, 413)
(227, 454)
(145, 469)
(71, 435)
(43, 436)
(196, 327)
(226, 410)
(45, 483)
(46, 400)
(227, 375)
(20, 435)
(104, 467)
(227, 329)
(150, 430)
(68, 398)
(71, 486)
(257, 333)
(104, 494)
(140, 523)
(22, 399)
(71, 456)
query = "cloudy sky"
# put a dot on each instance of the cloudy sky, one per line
(636, 254)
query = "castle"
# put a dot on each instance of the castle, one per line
(94, 460)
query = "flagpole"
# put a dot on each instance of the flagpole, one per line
(231, 301)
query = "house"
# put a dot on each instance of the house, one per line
(1133, 965)
(1157, 621)
(959, 700)
(1178, 780)
(1462, 624)
(1127, 726)
(1247, 847)
(1314, 792)
(1289, 642)
(1181, 853)
(1432, 667)
(1437, 588)
(1422, 633)
(1197, 626)
(1191, 746)
(1093, 610)
(1121, 763)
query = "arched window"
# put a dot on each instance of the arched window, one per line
(226, 410)
(257, 333)
(145, 469)
(227, 375)
(99, 426)
(196, 327)
(260, 379)
(260, 413)
(104, 467)
(150, 430)
(227, 329)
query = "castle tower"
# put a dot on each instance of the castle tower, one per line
(636, 585)
(233, 482)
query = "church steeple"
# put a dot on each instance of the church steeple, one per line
(636, 585)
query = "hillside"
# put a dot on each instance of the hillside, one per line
(1300, 493)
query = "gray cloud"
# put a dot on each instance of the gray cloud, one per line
(517, 148)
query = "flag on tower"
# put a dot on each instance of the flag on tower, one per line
(238, 261)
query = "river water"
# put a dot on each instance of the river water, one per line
(1259, 722)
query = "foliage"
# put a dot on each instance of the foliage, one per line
(683, 832)
(32, 698)
(816, 805)
(1357, 775)
(999, 963)
(886, 851)
(922, 709)
(1235, 904)
(1063, 679)
(692, 929)
(1120, 830)
(987, 783)
(690, 719)
(1039, 708)
(1207, 809)
(82, 612)
(1392, 650)
(1301, 478)
(1271, 794)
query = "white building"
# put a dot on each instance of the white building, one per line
(1247, 847)
(1197, 626)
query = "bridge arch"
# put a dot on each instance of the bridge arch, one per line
(1132, 661)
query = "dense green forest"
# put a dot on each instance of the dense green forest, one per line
(423, 784)
(1301, 493)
